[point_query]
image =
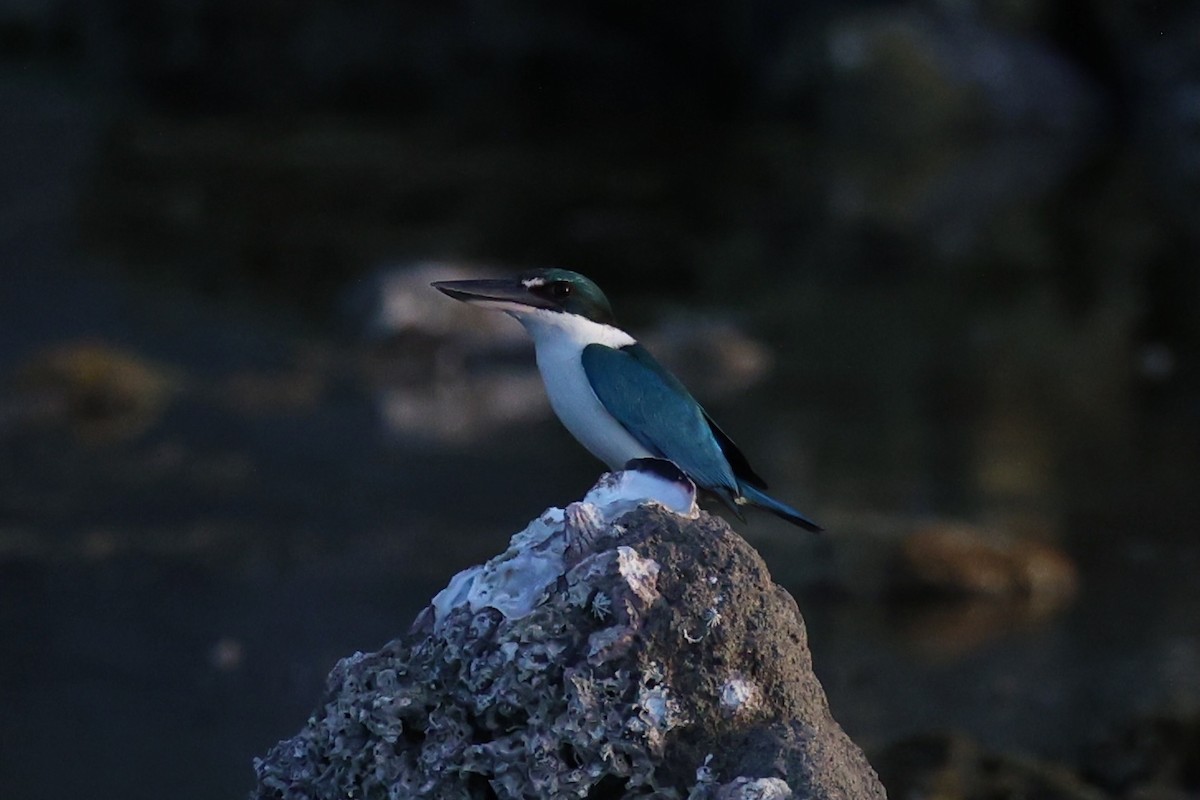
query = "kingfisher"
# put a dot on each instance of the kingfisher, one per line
(611, 394)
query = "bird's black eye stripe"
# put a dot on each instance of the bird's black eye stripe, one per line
(556, 290)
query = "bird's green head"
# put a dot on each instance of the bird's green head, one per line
(555, 290)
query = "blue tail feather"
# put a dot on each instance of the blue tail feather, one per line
(757, 497)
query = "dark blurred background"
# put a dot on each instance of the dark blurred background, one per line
(933, 264)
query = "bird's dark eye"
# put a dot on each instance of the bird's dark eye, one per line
(560, 289)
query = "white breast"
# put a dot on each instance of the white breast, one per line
(559, 340)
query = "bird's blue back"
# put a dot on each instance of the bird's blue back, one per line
(660, 413)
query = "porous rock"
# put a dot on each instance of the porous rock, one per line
(608, 653)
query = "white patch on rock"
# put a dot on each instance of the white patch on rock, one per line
(455, 593)
(515, 586)
(538, 532)
(755, 789)
(661, 709)
(515, 582)
(518, 580)
(640, 573)
(737, 693)
(704, 773)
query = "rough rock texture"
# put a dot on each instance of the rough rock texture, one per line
(607, 653)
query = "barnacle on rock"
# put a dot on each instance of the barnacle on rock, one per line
(563, 668)
(601, 606)
(738, 694)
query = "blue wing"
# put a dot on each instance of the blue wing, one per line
(658, 411)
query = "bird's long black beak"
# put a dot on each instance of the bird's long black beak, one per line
(499, 291)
